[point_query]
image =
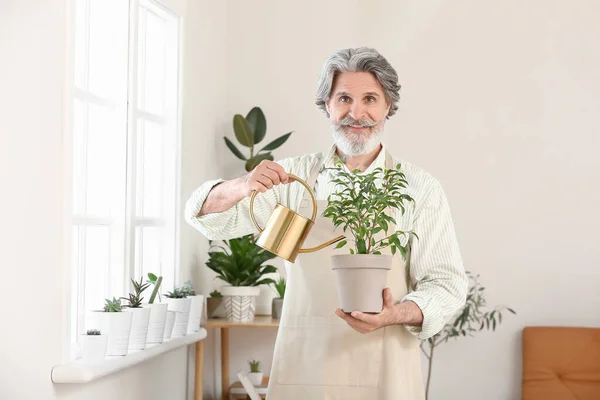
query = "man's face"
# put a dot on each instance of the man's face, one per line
(357, 109)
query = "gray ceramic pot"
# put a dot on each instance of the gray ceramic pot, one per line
(277, 306)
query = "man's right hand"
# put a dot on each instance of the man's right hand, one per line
(264, 176)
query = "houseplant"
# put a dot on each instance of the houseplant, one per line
(116, 323)
(240, 264)
(158, 312)
(249, 131)
(213, 302)
(362, 205)
(470, 319)
(93, 344)
(180, 303)
(255, 375)
(278, 301)
(196, 305)
(140, 318)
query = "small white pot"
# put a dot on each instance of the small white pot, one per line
(169, 322)
(240, 302)
(182, 308)
(117, 325)
(139, 327)
(195, 317)
(256, 378)
(156, 323)
(93, 347)
(360, 280)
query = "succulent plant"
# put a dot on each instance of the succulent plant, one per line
(254, 366)
(93, 332)
(135, 299)
(188, 289)
(215, 293)
(153, 280)
(177, 293)
(113, 305)
(280, 287)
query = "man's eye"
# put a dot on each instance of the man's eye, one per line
(344, 99)
(370, 99)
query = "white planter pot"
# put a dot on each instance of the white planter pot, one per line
(240, 302)
(360, 280)
(169, 322)
(117, 326)
(195, 318)
(156, 323)
(182, 308)
(256, 378)
(139, 327)
(93, 347)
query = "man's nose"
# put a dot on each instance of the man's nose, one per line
(358, 111)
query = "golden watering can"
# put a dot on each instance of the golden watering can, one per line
(286, 230)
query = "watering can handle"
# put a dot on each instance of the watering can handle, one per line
(312, 218)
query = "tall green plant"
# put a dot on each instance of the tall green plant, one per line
(241, 262)
(156, 281)
(361, 203)
(249, 131)
(470, 319)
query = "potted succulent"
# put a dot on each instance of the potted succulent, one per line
(278, 301)
(255, 375)
(93, 345)
(362, 205)
(116, 323)
(241, 265)
(250, 131)
(158, 312)
(179, 302)
(196, 305)
(140, 318)
(213, 302)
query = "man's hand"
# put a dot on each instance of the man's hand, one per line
(263, 177)
(391, 314)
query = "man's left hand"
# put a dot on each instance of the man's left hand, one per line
(365, 323)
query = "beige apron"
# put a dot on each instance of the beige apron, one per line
(317, 355)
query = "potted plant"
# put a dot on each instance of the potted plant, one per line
(116, 323)
(362, 205)
(180, 304)
(255, 375)
(250, 131)
(93, 345)
(140, 318)
(196, 305)
(278, 301)
(213, 302)
(158, 313)
(241, 265)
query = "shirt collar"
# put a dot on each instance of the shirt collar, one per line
(379, 161)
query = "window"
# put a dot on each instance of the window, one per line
(125, 150)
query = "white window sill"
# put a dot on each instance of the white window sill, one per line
(82, 372)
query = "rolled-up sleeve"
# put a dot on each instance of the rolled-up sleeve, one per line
(438, 282)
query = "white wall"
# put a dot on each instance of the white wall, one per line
(499, 101)
(33, 44)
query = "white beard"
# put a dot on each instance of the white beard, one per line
(355, 144)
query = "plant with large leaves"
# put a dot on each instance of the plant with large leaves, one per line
(249, 131)
(470, 319)
(240, 263)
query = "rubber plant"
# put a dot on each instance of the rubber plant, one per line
(250, 131)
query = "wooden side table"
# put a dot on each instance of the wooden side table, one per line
(260, 321)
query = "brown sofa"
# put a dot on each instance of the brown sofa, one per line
(561, 363)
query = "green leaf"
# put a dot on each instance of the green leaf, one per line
(152, 277)
(341, 244)
(277, 142)
(234, 149)
(254, 161)
(361, 247)
(258, 124)
(242, 130)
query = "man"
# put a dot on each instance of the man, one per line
(321, 353)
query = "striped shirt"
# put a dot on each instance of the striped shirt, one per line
(437, 279)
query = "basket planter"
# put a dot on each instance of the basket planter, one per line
(240, 302)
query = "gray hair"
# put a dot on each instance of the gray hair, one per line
(361, 59)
